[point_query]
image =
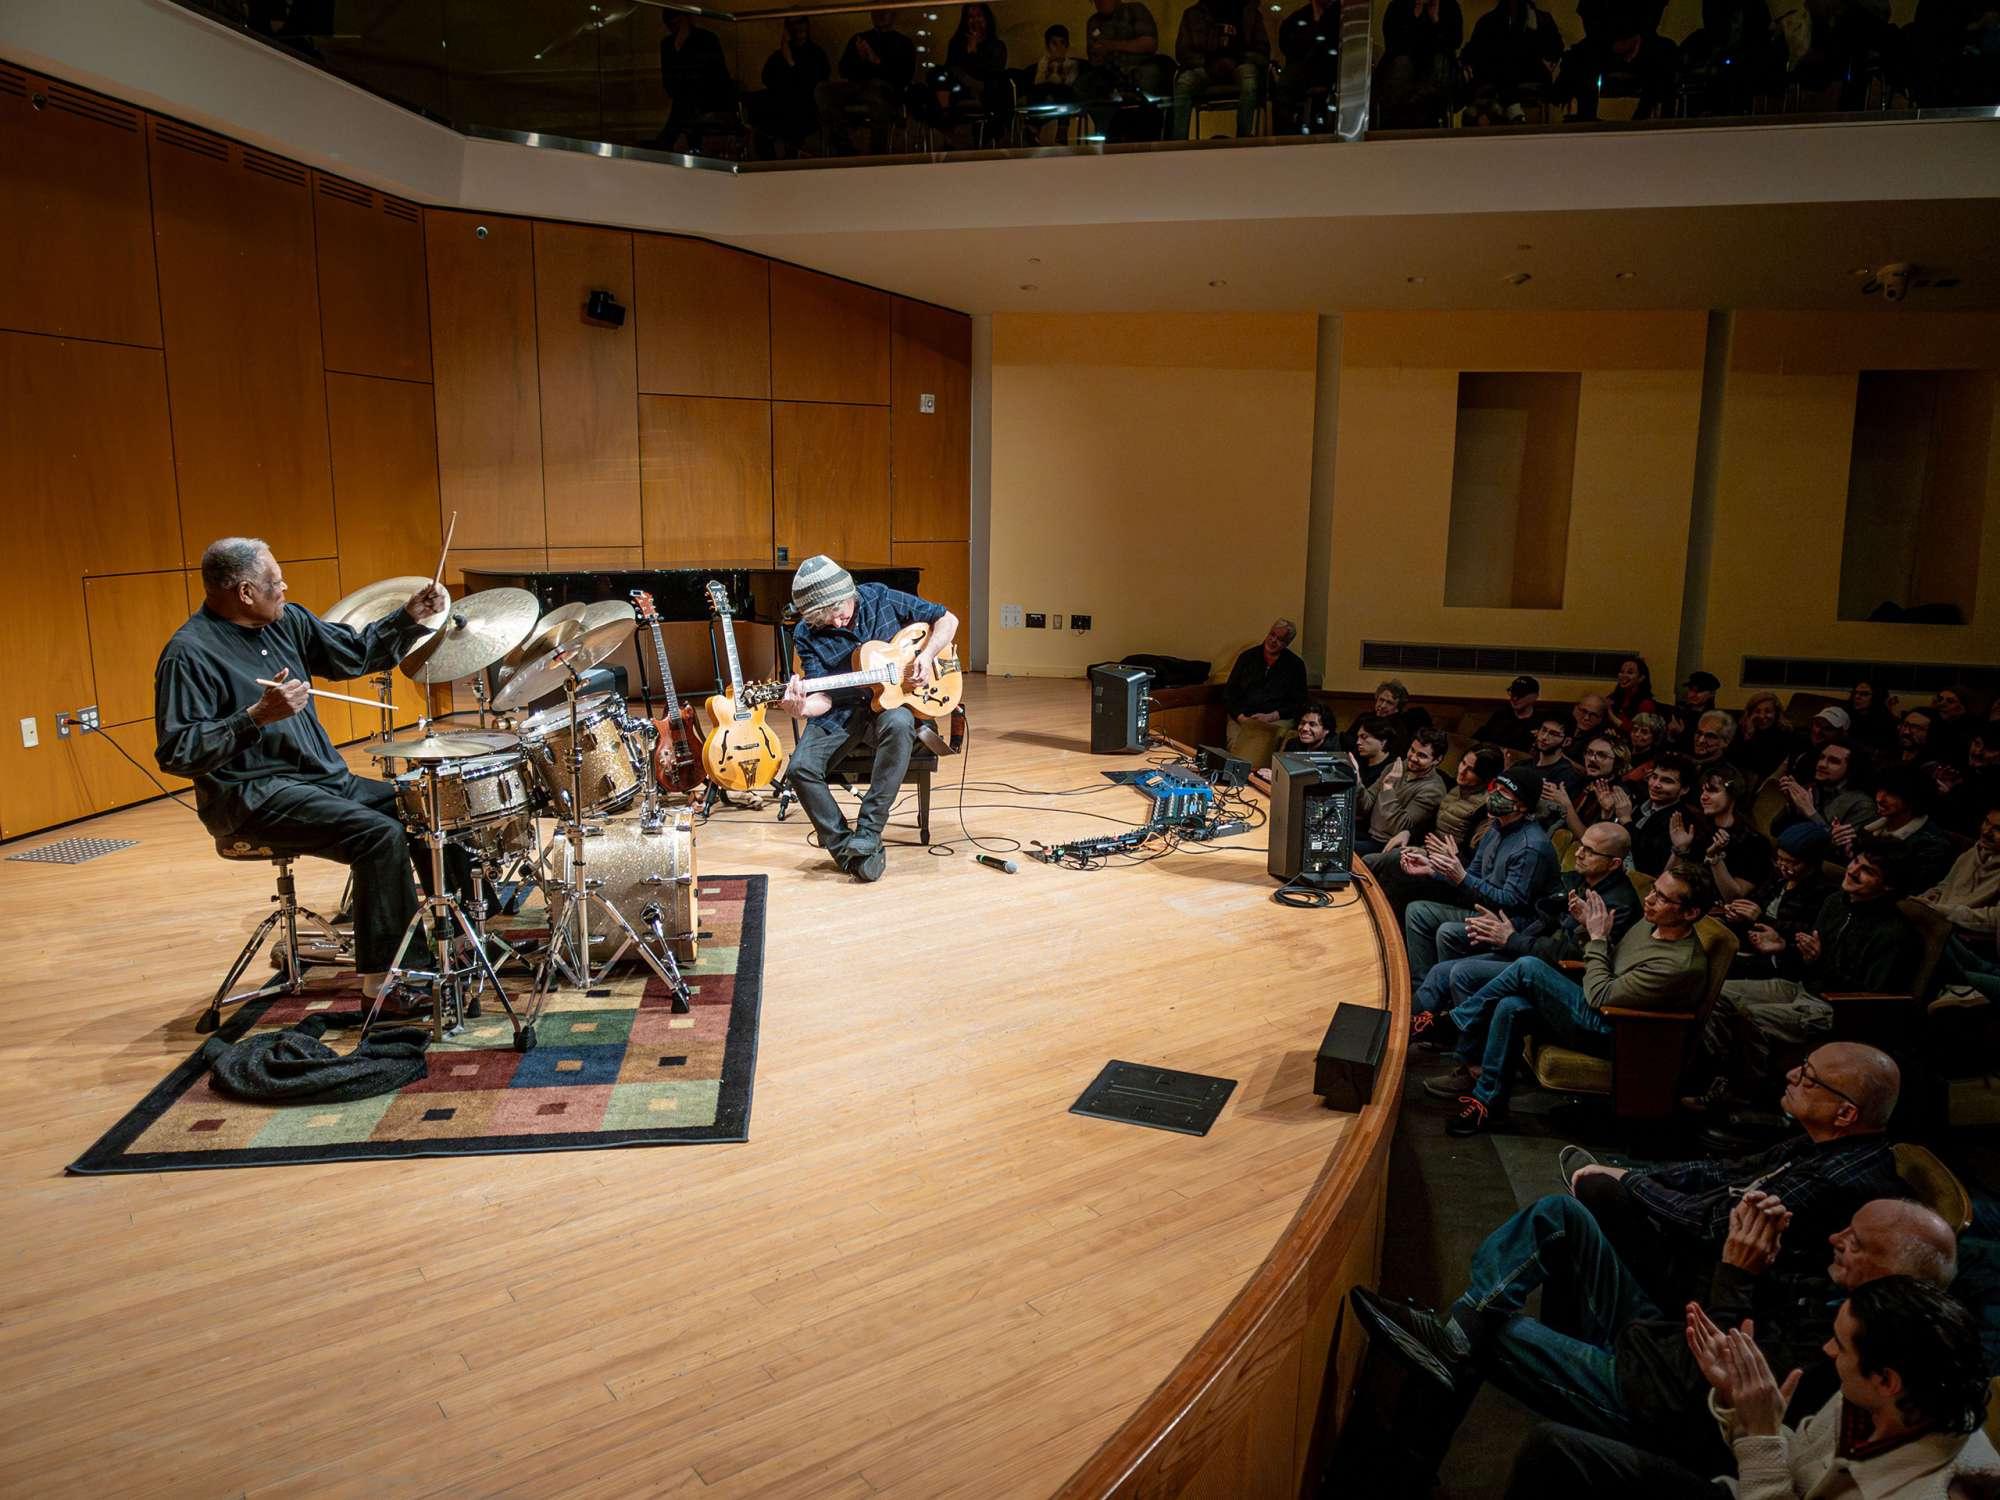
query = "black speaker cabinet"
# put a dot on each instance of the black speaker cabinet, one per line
(1118, 701)
(1312, 817)
(1344, 1071)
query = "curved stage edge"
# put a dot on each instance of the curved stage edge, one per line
(1252, 1407)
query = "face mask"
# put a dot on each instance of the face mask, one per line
(1500, 804)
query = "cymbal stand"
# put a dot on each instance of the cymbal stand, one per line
(479, 695)
(569, 928)
(450, 1001)
(385, 690)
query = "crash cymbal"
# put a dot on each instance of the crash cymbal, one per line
(453, 744)
(545, 674)
(482, 628)
(605, 626)
(548, 634)
(372, 601)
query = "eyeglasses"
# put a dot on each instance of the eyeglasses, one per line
(1811, 1080)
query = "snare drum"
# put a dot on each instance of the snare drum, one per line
(477, 793)
(613, 772)
(636, 867)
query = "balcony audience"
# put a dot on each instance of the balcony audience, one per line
(1124, 74)
(1307, 91)
(786, 112)
(1510, 61)
(1412, 88)
(972, 80)
(695, 76)
(1222, 48)
(876, 69)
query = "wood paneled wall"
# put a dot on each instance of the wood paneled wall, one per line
(199, 339)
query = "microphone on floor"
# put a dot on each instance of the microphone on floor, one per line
(996, 864)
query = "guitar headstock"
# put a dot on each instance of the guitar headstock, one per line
(718, 597)
(642, 606)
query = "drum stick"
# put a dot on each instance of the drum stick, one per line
(374, 703)
(438, 577)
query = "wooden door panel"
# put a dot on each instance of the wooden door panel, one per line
(590, 388)
(374, 306)
(706, 467)
(831, 481)
(946, 579)
(704, 316)
(829, 339)
(931, 452)
(131, 618)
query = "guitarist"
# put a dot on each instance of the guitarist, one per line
(836, 619)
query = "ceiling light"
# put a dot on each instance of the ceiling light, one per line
(1414, 280)
(1029, 286)
(1862, 273)
(1518, 278)
(1627, 275)
(1218, 282)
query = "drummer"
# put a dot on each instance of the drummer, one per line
(263, 766)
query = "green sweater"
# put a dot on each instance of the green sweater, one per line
(1643, 973)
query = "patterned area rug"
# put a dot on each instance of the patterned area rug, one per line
(613, 1067)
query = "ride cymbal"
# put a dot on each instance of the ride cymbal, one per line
(482, 628)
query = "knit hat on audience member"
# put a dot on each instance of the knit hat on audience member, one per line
(1523, 784)
(1836, 718)
(1805, 841)
(1704, 682)
(819, 583)
(1522, 685)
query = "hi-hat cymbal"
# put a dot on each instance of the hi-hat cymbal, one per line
(548, 634)
(606, 626)
(545, 674)
(483, 627)
(454, 744)
(372, 601)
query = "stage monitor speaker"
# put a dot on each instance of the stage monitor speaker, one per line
(1119, 698)
(1312, 817)
(1344, 1071)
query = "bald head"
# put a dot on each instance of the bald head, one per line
(1615, 839)
(1894, 1237)
(1867, 1075)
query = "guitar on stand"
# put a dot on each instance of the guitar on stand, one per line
(884, 668)
(741, 752)
(677, 765)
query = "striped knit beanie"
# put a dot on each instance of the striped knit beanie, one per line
(819, 583)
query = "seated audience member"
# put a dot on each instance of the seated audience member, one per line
(1604, 798)
(1624, 1368)
(1056, 72)
(1669, 795)
(1969, 898)
(1697, 697)
(1266, 686)
(1872, 715)
(1473, 951)
(1904, 1421)
(1952, 723)
(1512, 865)
(1412, 84)
(1643, 738)
(1222, 44)
(1374, 749)
(1401, 802)
(1392, 703)
(1964, 793)
(1631, 695)
(1549, 743)
(1902, 807)
(876, 70)
(1859, 941)
(1659, 965)
(975, 59)
(1830, 726)
(1734, 58)
(1309, 87)
(1954, 52)
(1714, 732)
(1736, 855)
(1122, 60)
(1628, 59)
(695, 75)
(1510, 60)
(1461, 819)
(1831, 798)
(785, 113)
(1788, 901)
(1764, 741)
(1315, 732)
(1912, 745)
(1844, 39)
(1589, 714)
(1513, 727)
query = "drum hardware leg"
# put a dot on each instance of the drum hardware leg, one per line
(385, 690)
(212, 1017)
(479, 695)
(656, 928)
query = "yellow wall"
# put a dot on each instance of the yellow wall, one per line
(1788, 420)
(1151, 471)
(1637, 416)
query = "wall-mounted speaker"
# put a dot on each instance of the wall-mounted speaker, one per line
(604, 308)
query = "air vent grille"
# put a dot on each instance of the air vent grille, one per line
(346, 192)
(214, 147)
(396, 208)
(1819, 674)
(274, 166)
(1489, 661)
(13, 85)
(91, 107)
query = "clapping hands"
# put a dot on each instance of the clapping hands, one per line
(1733, 1364)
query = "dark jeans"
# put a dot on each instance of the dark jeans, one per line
(1560, 1460)
(823, 746)
(357, 826)
(1525, 995)
(1553, 1243)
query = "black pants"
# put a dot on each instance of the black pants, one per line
(892, 736)
(357, 825)
(1557, 1462)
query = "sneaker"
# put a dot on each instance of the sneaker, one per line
(1474, 1117)
(1709, 1099)
(1421, 1024)
(1417, 1336)
(868, 869)
(1570, 1161)
(1453, 1085)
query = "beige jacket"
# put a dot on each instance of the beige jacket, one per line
(1802, 1464)
(1969, 897)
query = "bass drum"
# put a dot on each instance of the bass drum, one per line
(639, 868)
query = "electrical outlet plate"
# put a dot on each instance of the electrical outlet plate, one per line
(31, 734)
(87, 717)
(927, 403)
(1038, 622)
(1010, 617)
(1055, 622)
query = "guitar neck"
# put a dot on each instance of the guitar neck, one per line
(735, 666)
(893, 672)
(666, 671)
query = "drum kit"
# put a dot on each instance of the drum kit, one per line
(618, 876)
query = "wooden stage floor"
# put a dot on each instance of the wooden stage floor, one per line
(921, 1277)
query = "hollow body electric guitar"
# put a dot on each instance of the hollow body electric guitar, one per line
(677, 750)
(741, 751)
(884, 668)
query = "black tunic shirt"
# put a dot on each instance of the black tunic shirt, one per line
(206, 681)
(1256, 687)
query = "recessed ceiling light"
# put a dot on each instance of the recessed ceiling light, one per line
(1414, 280)
(1626, 275)
(1517, 278)
(1029, 286)
(1218, 282)
(1862, 273)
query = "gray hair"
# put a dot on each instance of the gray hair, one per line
(1291, 630)
(819, 619)
(231, 561)
(1723, 724)
(1925, 1246)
